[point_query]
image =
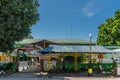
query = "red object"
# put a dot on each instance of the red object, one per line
(100, 55)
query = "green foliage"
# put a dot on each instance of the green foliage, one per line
(29, 37)
(107, 66)
(16, 18)
(84, 67)
(81, 58)
(109, 32)
(9, 66)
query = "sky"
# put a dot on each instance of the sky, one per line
(72, 19)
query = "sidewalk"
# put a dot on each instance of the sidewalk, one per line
(33, 73)
(78, 74)
(27, 73)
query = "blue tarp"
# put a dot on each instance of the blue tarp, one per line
(75, 48)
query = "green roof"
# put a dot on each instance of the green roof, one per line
(70, 41)
(28, 41)
(61, 41)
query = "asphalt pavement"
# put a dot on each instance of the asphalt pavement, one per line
(33, 73)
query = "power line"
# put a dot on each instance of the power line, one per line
(71, 29)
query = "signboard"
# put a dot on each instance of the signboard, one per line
(100, 56)
(52, 65)
(24, 64)
(2, 57)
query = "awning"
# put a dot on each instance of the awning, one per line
(116, 50)
(75, 48)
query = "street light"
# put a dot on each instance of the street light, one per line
(63, 64)
(89, 66)
(90, 35)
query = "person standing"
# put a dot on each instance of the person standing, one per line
(32, 62)
(99, 68)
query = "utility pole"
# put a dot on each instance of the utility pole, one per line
(17, 61)
(90, 70)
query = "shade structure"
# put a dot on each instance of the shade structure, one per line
(116, 50)
(75, 48)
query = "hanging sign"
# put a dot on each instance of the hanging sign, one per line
(100, 55)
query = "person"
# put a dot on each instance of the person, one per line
(53, 68)
(32, 62)
(99, 68)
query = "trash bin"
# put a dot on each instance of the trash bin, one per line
(90, 71)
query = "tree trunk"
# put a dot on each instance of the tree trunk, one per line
(17, 61)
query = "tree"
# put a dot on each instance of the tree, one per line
(109, 32)
(16, 18)
(29, 37)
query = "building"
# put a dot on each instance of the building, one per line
(43, 43)
(75, 55)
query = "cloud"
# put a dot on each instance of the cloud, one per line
(89, 9)
(90, 14)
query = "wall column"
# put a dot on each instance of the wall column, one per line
(49, 57)
(75, 61)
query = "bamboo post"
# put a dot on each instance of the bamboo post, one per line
(49, 57)
(18, 61)
(75, 61)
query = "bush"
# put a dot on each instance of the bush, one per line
(107, 66)
(11, 66)
(84, 66)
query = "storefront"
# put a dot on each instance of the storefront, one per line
(74, 58)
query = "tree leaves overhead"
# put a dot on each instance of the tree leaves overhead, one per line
(16, 18)
(109, 32)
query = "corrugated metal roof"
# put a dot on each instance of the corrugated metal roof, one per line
(71, 48)
(62, 41)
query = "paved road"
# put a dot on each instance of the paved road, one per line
(62, 78)
(33, 74)
(92, 78)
